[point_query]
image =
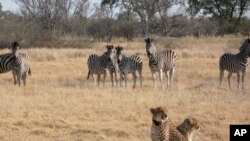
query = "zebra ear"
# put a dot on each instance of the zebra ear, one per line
(248, 40)
(147, 40)
(107, 46)
(111, 47)
(16, 44)
(151, 40)
(121, 48)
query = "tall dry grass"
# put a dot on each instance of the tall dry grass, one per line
(60, 104)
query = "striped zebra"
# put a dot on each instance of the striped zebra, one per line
(23, 71)
(127, 65)
(164, 61)
(17, 63)
(235, 63)
(98, 65)
(112, 67)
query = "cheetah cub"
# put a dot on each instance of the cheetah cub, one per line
(162, 128)
(188, 127)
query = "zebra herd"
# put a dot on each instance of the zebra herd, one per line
(116, 61)
(111, 62)
(162, 62)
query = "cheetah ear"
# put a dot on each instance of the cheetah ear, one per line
(152, 110)
(187, 121)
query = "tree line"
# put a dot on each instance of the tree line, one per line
(42, 21)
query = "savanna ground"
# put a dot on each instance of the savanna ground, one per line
(60, 104)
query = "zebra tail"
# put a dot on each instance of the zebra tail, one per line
(88, 75)
(29, 72)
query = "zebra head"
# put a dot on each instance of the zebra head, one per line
(119, 53)
(150, 48)
(110, 54)
(245, 47)
(14, 47)
(109, 49)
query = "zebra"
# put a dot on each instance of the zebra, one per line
(127, 65)
(24, 69)
(112, 67)
(235, 63)
(99, 64)
(17, 63)
(164, 61)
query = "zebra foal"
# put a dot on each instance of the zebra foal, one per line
(127, 65)
(98, 65)
(164, 61)
(235, 63)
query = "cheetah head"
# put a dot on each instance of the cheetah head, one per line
(191, 124)
(159, 115)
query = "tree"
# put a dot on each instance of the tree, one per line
(126, 25)
(53, 17)
(110, 4)
(1, 7)
(100, 29)
(147, 9)
(227, 12)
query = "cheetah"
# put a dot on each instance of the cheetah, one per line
(162, 128)
(188, 127)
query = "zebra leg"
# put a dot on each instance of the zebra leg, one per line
(135, 78)
(104, 77)
(154, 78)
(98, 79)
(161, 78)
(112, 78)
(125, 77)
(243, 78)
(140, 76)
(221, 76)
(238, 80)
(229, 79)
(116, 78)
(24, 76)
(171, 74)
(19, 75)
(14, 77)
(94, 79)
(167, 73)
(121, 78)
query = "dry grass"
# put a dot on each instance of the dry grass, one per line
(60, 104)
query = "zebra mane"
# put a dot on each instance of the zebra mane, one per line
(245, 45)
